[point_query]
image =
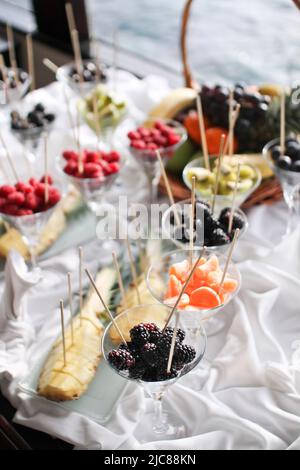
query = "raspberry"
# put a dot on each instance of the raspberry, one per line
(54, 196)
(2, 201)
(90, 168)
(114, 168)
(70, 155)
(134, 135)
(33, 182)
(50, 179)
(71, 168)
(40, 190)
(16, 198)
(112, 157)
(173, 139)
(10, 209)
(22, 212)
(152, 146)
(32, 202)
(92, 157)
(143, 132)
(138, 144)
(161, 141)
(159, 125)
(121, 359)
(24, 188)
(5, 190)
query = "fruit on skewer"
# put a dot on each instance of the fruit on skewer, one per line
(63, 382)
(146, 355)
(204, 290)
(38, 117)
(11, 81)
(96, 164)
(159, 136)
(91, 73)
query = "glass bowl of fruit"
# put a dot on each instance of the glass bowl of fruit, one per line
(28, 206)
(249, 180)
(214, 230)
(208, 291)
(286, 167)
(13, 86)
(103, 110)
(163, 135)
(93, 173)
(92, 74)
(147, 359)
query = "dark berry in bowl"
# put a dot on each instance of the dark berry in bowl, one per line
(224, 217)
(284, 162)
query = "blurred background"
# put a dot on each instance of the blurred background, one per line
(234, 40)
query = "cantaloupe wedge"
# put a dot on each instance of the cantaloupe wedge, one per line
(205, 297)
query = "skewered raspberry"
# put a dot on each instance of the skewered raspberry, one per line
(139, 334)
(149, 353)
(180, 333)
(121, 359)
(184, 354)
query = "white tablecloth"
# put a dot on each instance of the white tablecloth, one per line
(246, 395)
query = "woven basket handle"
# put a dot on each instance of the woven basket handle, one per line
(189, 81)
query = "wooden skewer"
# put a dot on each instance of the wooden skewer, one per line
(235, 118)
(67, 102)
(70, 295)
(105, 306)
(192, 218)
(9, 158)
(184, 287)
(231, 122)
(30, 60)
(80, 155)
(115, 60)
(97, 61)
(77, 53)
(62, 319)
(11, 51)
(45, 138)
(221, 155)
(236, 235)
(70, 17)
(202, 132)
(282, 122)
(234, 198)
(50, 65)
(96, 120)
(168, 187)
(80, 254)
(120, 280)
(133, 270)
(173, 342)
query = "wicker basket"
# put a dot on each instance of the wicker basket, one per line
(270, 190)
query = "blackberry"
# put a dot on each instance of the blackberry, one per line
(180, 333)
(139, 334)
(164, 345)
(238, 221)
(150, 374)
(184, 354)
(164, 375)
(154, 331)
(149, 353)
(121, 359)
(219, 237)
(137, 370)
(130, 348)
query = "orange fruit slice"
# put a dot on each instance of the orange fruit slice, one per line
(205, 297)
(212, 264)
(181, 270)
(174, 287)
(214, 279)
(184, 301)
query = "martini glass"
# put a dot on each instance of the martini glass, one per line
(288, 180)
(221, 201)
(147, 159)
(296, 206)
(179, 234)
(165, 426)
(158, 276)
(67, 74)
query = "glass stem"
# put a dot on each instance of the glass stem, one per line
(159, 422)
(289, 227)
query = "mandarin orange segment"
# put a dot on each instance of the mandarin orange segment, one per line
(205, 297)
(174, 287)
(184, 301)
(181, 270)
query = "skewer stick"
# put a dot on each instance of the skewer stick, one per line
(105, 306)
(236, 234)
(96, 120)
(9, 158)
(62, 319)
(133, 271)
(168, 187)
(97, 61)
(77, 53)
(70, 119)
(80, 253)
(221, 155)
(12, 53)
(120, 280)
(30, 60)
(282, 122)
(184, 287)
(80, 155)
(234, 120)
(192, 218)
(202, 132)
(70, 295)
(234, 198)
(115, 59)
(70, 17)
(45, 138)
(50, 65)
(231, 121)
